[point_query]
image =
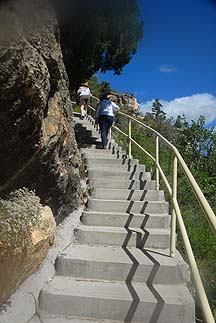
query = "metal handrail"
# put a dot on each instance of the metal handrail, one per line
(175, 209)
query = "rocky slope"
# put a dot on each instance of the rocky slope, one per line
(37, 148)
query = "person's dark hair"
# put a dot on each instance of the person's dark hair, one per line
(104, 96)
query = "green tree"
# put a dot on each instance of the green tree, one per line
(159, 115)
(98, 88)
(180, 122)
(198, 145)
(97, 35)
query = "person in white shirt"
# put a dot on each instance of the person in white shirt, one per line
(105, 116)
(84, 94)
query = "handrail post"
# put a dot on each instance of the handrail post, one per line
(157, 163)
(205, 307)
(110, 134)
(173, 213)
(129, 137)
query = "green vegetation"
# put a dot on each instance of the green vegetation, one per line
(97, 35)
(197, 145)
(97, 88)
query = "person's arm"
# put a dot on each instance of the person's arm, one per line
(115, 107)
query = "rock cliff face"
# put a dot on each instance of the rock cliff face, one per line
(126, 100)
(37, 147)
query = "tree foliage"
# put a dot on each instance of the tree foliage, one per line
(98, 88)
(158, 113)
(97, 35)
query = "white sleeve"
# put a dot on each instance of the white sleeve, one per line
(115, 106)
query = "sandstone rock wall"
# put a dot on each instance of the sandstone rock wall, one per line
(127, 100)
(37, 147)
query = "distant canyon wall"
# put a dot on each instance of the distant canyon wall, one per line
(38, 149)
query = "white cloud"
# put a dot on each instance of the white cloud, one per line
(168, 69)
(192, 106)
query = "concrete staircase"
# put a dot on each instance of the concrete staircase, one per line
(118, 268)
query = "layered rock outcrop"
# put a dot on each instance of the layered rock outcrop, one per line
(38, 148)
(127, 100)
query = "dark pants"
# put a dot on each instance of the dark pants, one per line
(105, 122)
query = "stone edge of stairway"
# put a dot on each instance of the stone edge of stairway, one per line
(20, 307)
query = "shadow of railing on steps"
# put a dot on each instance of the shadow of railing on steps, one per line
(176, 215)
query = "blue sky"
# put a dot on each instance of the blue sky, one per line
(176, 59)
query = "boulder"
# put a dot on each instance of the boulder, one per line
(16, 266)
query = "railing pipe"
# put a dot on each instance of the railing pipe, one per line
(176, 213)
(157, 162)
(119, 130)
(200, 196)
(149, 128)
(129, 137)
(145, 151)
(110, 134)
(165, 180)
(94, 97)
(173, 213)
(206, 310)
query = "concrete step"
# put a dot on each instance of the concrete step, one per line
(121, 183)
(97, 151)
(86, 128)
(118, 301)
(116, 219)
(94, 162)
(92, 133)
(116, 236)
(121, 264)
(131, 195)
(48, 318)
(104, 154)
(113, 173)
(89, 143)
(117, 167)
(84, 122)
(128, 206)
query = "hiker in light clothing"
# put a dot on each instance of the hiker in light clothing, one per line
(84, 94)
(105, 116)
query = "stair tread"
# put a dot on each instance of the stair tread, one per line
(69, 319)
(91, 228)
(84, 288)
(128, 201)
(99, 169)
(125, 189)
(117, 180)
(124, 213)
(117, 254)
